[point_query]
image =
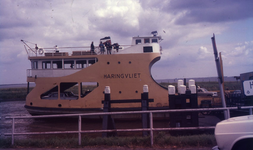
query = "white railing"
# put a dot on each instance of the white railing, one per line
(68, 51)
(32, 52)
(151, 129)
(50, 72)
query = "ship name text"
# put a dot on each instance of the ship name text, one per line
(122, 76)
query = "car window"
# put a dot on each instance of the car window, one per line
(204, 89)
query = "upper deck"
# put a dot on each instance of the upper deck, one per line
(62, 61)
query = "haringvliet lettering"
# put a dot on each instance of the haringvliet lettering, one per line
(122, 76)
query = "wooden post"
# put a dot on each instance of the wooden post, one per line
(144, 106)
(28, 86)
(108, 122)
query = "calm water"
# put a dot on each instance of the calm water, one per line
(16, 108)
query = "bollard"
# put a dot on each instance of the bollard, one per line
(182, 89)
(144, 106)
(107, 98)
(108, 122)
(179, 82)
(191, 82)
(193, 89)
(171, 90)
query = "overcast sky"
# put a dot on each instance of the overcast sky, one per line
(185, 25)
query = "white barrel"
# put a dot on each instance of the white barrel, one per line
(191, 82)
(182, 89)
(171, 90)
(179, 82)
(193, 89)
(107, 90)
(145, 88)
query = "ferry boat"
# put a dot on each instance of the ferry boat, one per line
(62, 73)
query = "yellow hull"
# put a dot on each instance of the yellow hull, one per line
(124, 73)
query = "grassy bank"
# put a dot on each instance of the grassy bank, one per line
(13, 93)
(160, 140)
(19, 94)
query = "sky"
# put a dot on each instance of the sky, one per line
(186, 27)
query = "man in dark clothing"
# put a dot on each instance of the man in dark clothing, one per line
(92, 48)
(108, 47)
(116, 46)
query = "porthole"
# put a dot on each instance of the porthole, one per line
(130, 62)
(59, 105)
(118, 62)
(31, 104)
(108, 63)
(119, 92)
(136, 91)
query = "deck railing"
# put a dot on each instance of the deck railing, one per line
(151, 129)
(69, 51)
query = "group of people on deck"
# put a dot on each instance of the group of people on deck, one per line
(106, 45)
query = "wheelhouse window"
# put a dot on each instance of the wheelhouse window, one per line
(146, 41)
(46, 64)
(34, 64)
(147, 49)
(69, 64)
(137, 41)
(57, 64)
(154, 41)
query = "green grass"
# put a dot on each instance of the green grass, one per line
(13, 93)
(160, 140)
(8, 94)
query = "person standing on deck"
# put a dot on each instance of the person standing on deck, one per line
(108, 47)
(92, 48)
(102, 49)
(116, 46)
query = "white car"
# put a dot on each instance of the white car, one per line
(235, 134)
(205, 92)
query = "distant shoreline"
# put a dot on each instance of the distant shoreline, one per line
(202, 79)
(20, 85)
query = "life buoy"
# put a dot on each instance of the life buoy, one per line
(41, 51)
